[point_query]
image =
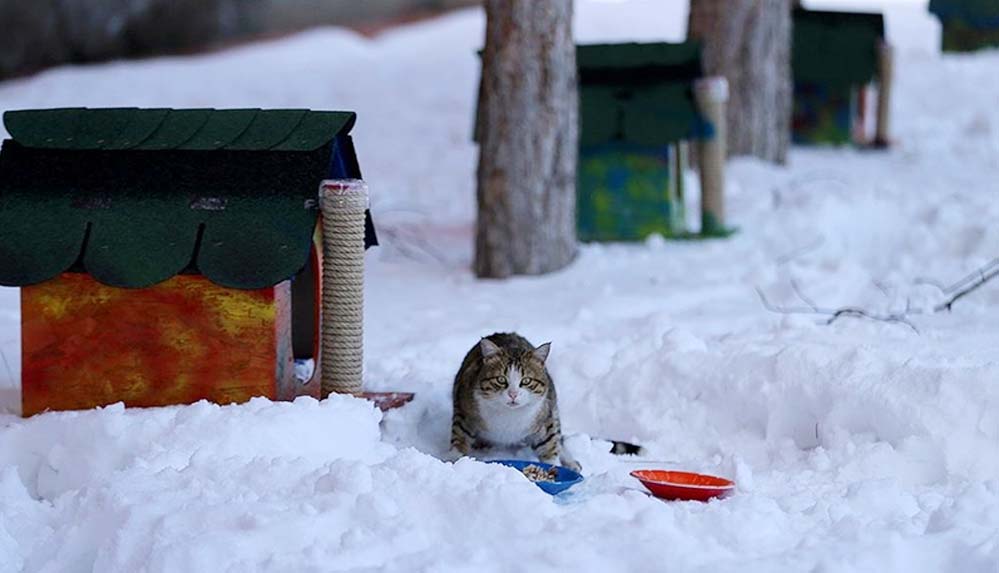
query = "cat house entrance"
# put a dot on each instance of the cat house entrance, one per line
(305, 295)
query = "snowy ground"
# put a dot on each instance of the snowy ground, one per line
(859, 446)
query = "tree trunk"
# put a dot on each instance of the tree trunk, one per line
(528, 135)
(749, 42)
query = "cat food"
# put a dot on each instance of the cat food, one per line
(537, 473)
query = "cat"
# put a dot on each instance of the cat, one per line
(504, 396)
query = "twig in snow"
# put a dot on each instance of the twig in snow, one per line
(861, 313)
(949, 289)
(801, 295)
(985, 274)
(957, 291)
(835, 314)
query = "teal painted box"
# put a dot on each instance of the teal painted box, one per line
(968, 25)
(833, 59)
(636, 108)
(628, 192)
(825, 114)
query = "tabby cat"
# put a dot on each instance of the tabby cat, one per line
(504, 396)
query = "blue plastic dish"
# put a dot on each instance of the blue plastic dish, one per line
(564, 479)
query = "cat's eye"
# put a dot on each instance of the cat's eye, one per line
(530, 382)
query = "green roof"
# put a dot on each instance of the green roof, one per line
(836, 48)
(638, 94)
(136, 196)
(681, 61)
(976, 13)
(178, 129)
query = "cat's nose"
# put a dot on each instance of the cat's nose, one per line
(512, 393)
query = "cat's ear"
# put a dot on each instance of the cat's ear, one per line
(488, 348)
(541, 352)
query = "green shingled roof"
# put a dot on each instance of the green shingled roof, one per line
(135, 196)
(179, 129)
(638, 94)
(836, 48)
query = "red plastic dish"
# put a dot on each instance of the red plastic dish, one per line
(683, 485)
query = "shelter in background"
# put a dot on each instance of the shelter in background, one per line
(638, 109)
(837, 57)
(968, 25)
(167, 256)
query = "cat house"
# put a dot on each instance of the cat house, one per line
(166, 256)
(637, 110)
(639, 106)
(968, 25)
(837, 58)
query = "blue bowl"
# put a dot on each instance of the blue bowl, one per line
(564, 479)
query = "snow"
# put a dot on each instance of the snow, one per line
(856, 446)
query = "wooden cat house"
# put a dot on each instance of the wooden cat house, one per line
(639, 106)
(837, 59)
(638, 109)
(968, 25)
(171, 255)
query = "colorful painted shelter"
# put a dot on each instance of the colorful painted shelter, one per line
(968, 25)
(835, 59)
(167, 255)
(637, 107)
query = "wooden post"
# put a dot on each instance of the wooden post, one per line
(712, 95)
(885, 74)
(343, 203)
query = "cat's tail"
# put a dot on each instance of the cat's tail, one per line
(618, 447)
(626, 449)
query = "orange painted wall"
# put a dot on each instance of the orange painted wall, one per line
(85, 344)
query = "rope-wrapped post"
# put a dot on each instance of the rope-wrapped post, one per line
(343, 203)
(886, 66)
(712, 95)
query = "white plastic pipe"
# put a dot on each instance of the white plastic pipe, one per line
(712, 96)
(886, 65)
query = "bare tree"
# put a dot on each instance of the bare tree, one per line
(528, 136)
(749, 42)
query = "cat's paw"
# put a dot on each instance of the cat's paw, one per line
(565, 462)
(572, 465)
(453, 455)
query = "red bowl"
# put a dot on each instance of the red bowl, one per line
(683, 485)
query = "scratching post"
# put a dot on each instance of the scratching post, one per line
(712, 95)
(343, 203)
(885, 74)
